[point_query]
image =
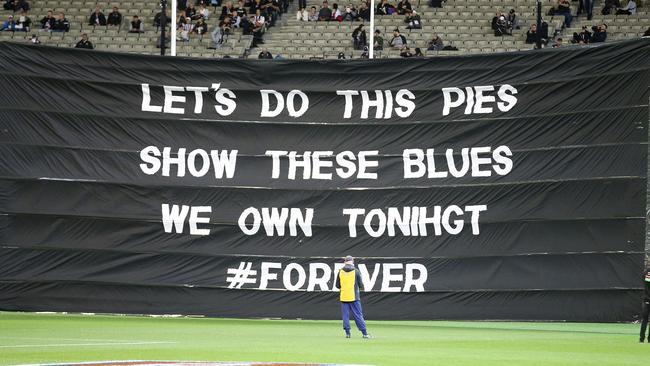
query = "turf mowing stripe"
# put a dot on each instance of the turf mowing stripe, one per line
(84, 344)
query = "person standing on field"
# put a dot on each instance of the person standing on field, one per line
(646, 305)
(348, 280)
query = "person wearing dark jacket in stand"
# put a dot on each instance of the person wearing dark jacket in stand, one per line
(531, 34)
(348, 281)
(48, 21)
(265, 55)
(646, 305)
(404, 7)
(359, 37)
(61, 24)
(600, 33)
(97, 17)
(115, 17)
(84, 43)
(583, 37)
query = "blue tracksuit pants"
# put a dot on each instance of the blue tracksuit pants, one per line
(353, 307)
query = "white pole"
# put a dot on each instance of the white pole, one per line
(372, 29)
(174, 16)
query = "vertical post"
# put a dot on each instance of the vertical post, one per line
(174, 16)
(371, 47)
(538, 34)
(163, 24)
(646, 261)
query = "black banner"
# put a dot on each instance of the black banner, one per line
(505, 186)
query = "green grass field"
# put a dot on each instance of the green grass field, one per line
(41, 338)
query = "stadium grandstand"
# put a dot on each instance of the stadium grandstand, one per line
(436, 28)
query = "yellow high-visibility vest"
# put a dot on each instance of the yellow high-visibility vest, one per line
(347, 285)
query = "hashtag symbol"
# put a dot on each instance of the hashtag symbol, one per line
(241, 275)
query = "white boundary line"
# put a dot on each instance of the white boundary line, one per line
(185, 362)
(69, 339)
(84, 344)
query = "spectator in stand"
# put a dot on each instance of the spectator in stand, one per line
(365, 53)
(336, 13)
(500, 25)
(313, 15)
(16, 5)
(246, 25)
(325, 12)
(564, 8)
(364, 12)
(157, 20)
(241, 9)
(204, 12)
(398, 41)
(404, 7)
(235, 20)
(379, 41)
(61, 24)
(435, 44)
(350, 13)
(599, 33)
(435, 3)
(259, 27)
(629, 9)
(114, 18)
(227, 9)
(48, 21)
(406, 52)
(583, 37)
(136, 25)
(265, 55)
(359, 38)
(182, 19)
(271, 11)
(34, 39)
(201, 27)
(418, 53)
(302, 4)
(186, 29)
(610, 5)
(190, 12)
(24, 23)
(9, 25)
(413, 20)
(531, 34)
(97, 17)
(386, 8)
(84, 43)
(512, 19)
